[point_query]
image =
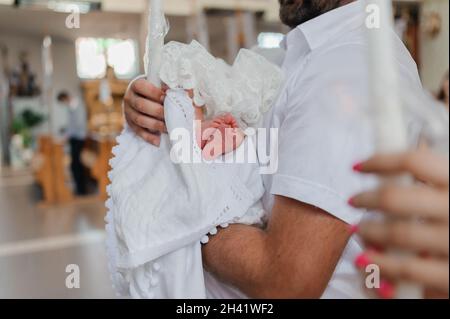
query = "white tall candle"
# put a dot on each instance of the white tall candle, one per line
(155, 41)
(386, 101)
(47, 65)
(390, 128)
(4, 95)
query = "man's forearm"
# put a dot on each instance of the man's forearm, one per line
(245, 257)
(294, 257)
(238, 255)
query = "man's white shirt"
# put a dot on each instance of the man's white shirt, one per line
(324, 126)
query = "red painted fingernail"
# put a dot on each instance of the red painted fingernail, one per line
(386, 290)
(358, 167)
(354, 229)
(362, 261)
(351, 202)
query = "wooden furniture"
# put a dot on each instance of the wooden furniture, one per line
(101, 166)
(105, 122)
(49, 170)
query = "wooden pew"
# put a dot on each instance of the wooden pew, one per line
(49, 170)
(101, 166)
(105, 122)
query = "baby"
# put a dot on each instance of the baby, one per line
(161, 212)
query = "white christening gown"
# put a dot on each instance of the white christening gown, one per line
(162, 208)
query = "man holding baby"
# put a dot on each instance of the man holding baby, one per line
(307, 249)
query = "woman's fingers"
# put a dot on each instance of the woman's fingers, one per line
(401, 232)
(431, 273)
(407, 235)
(423, 165)
(416, 200)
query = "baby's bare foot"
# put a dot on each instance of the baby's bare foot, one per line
(222, 136)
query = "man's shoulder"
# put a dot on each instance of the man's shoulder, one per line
(343, 62)
(346, 53)
(346, 58)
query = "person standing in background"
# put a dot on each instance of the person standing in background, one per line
(76, 132)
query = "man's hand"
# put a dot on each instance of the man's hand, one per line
(144, 112)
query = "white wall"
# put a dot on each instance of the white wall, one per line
(435, 51)
(64, 64)
(64, 60)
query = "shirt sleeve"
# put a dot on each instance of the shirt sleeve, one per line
(323, 133)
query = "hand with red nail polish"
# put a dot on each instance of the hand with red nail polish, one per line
(386, 290)
(354, 229)
(403, 205)
(362, 261)
(358, 167)
(351, 202)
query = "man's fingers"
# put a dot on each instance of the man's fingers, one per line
(431, 273)
(144, 121)
(144, 88)
(148, 107)
(418, 200)
(153, 125)
(147, 136)
(424, 166)
(144, 112)
(409, 235)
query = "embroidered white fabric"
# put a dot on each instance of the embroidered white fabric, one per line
(160, 212)
(247, 89)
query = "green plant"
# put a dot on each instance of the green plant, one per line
(23, 124)
(31, 118)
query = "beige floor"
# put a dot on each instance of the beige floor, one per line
(37, 244)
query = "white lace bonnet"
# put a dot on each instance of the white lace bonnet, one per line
(247, 89)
